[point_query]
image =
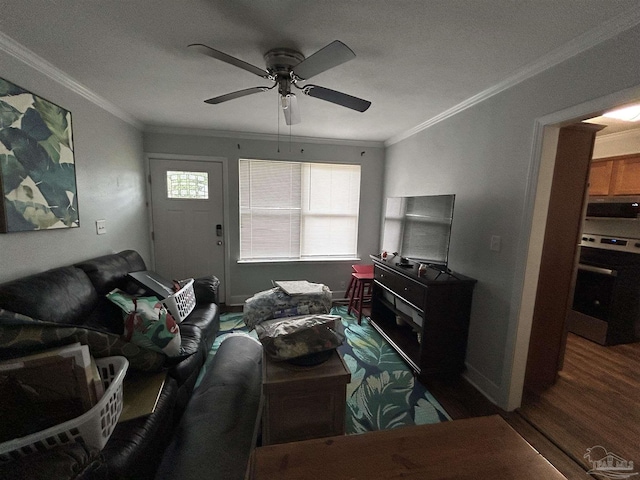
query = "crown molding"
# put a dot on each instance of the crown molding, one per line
(617, 143)
(26, 56)
(619, 136)
(583, 42)
(203, 132)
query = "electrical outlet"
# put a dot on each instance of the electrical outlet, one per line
(101, 227)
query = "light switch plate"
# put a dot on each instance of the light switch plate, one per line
(101, 227)
(496, 240)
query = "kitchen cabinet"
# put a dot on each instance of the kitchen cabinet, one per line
(600, 177)
(626, 176)
(615, 176)
(425, 318)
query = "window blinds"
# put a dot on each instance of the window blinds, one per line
(293, 210)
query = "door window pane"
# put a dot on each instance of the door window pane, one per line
(189, 185)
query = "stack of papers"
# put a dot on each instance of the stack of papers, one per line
(299, 287)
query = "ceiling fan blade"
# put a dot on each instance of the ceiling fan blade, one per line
(290, 109)
(238, 94)
(338, 98)
(236, 62)
(327, 57)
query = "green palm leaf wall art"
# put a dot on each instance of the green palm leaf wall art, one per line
(37, 167)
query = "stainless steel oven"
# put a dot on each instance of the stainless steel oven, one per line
(606, 302)
(594, 291)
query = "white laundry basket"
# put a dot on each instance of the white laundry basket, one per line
(182, 302)
(94, 427)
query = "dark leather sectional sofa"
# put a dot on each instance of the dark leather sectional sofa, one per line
(203, 433)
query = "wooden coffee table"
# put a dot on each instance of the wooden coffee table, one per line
(303, 402)
(476, 448)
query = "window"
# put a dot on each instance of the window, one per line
(298, 211)
(190, 185)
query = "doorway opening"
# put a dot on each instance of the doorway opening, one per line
(593, 398)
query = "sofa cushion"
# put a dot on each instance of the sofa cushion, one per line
(62, 295)
(110, 271)
(106, 272)
(135, 261)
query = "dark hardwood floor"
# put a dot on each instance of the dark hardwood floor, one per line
(595, 401)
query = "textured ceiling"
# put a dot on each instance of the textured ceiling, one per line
(415, 59)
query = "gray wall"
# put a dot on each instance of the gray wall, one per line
(484, 155)
(110, 184)
(246, 279)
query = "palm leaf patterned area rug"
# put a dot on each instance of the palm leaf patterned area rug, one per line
(383, 392)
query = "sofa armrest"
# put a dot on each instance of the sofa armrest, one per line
(206, 289)
(217, 432)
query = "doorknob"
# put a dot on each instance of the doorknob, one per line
(219, 242)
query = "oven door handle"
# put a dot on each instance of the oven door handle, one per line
(600, 270)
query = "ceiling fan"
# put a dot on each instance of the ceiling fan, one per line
(286, 68)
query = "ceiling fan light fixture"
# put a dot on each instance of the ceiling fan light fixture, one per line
(290, 108)
(286, 67)
(627, 114)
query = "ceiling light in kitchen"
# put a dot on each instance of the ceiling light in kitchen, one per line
(628, 114)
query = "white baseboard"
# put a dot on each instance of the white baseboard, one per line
(481, 383)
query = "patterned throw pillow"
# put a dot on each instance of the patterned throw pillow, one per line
(293, 337)
(148, 323)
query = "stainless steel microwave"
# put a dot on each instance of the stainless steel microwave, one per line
(623, 207)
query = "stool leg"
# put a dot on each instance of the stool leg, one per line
(349, 291)
(360, 301)
(354, 295)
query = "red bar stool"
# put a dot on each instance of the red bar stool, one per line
(352, 280)
(359, 290)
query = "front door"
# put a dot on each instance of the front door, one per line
(188, 211)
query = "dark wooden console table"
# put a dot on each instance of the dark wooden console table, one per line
(424, 317)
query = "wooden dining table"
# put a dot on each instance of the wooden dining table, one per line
(476, 448)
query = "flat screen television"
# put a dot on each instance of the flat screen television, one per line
(419, 228)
